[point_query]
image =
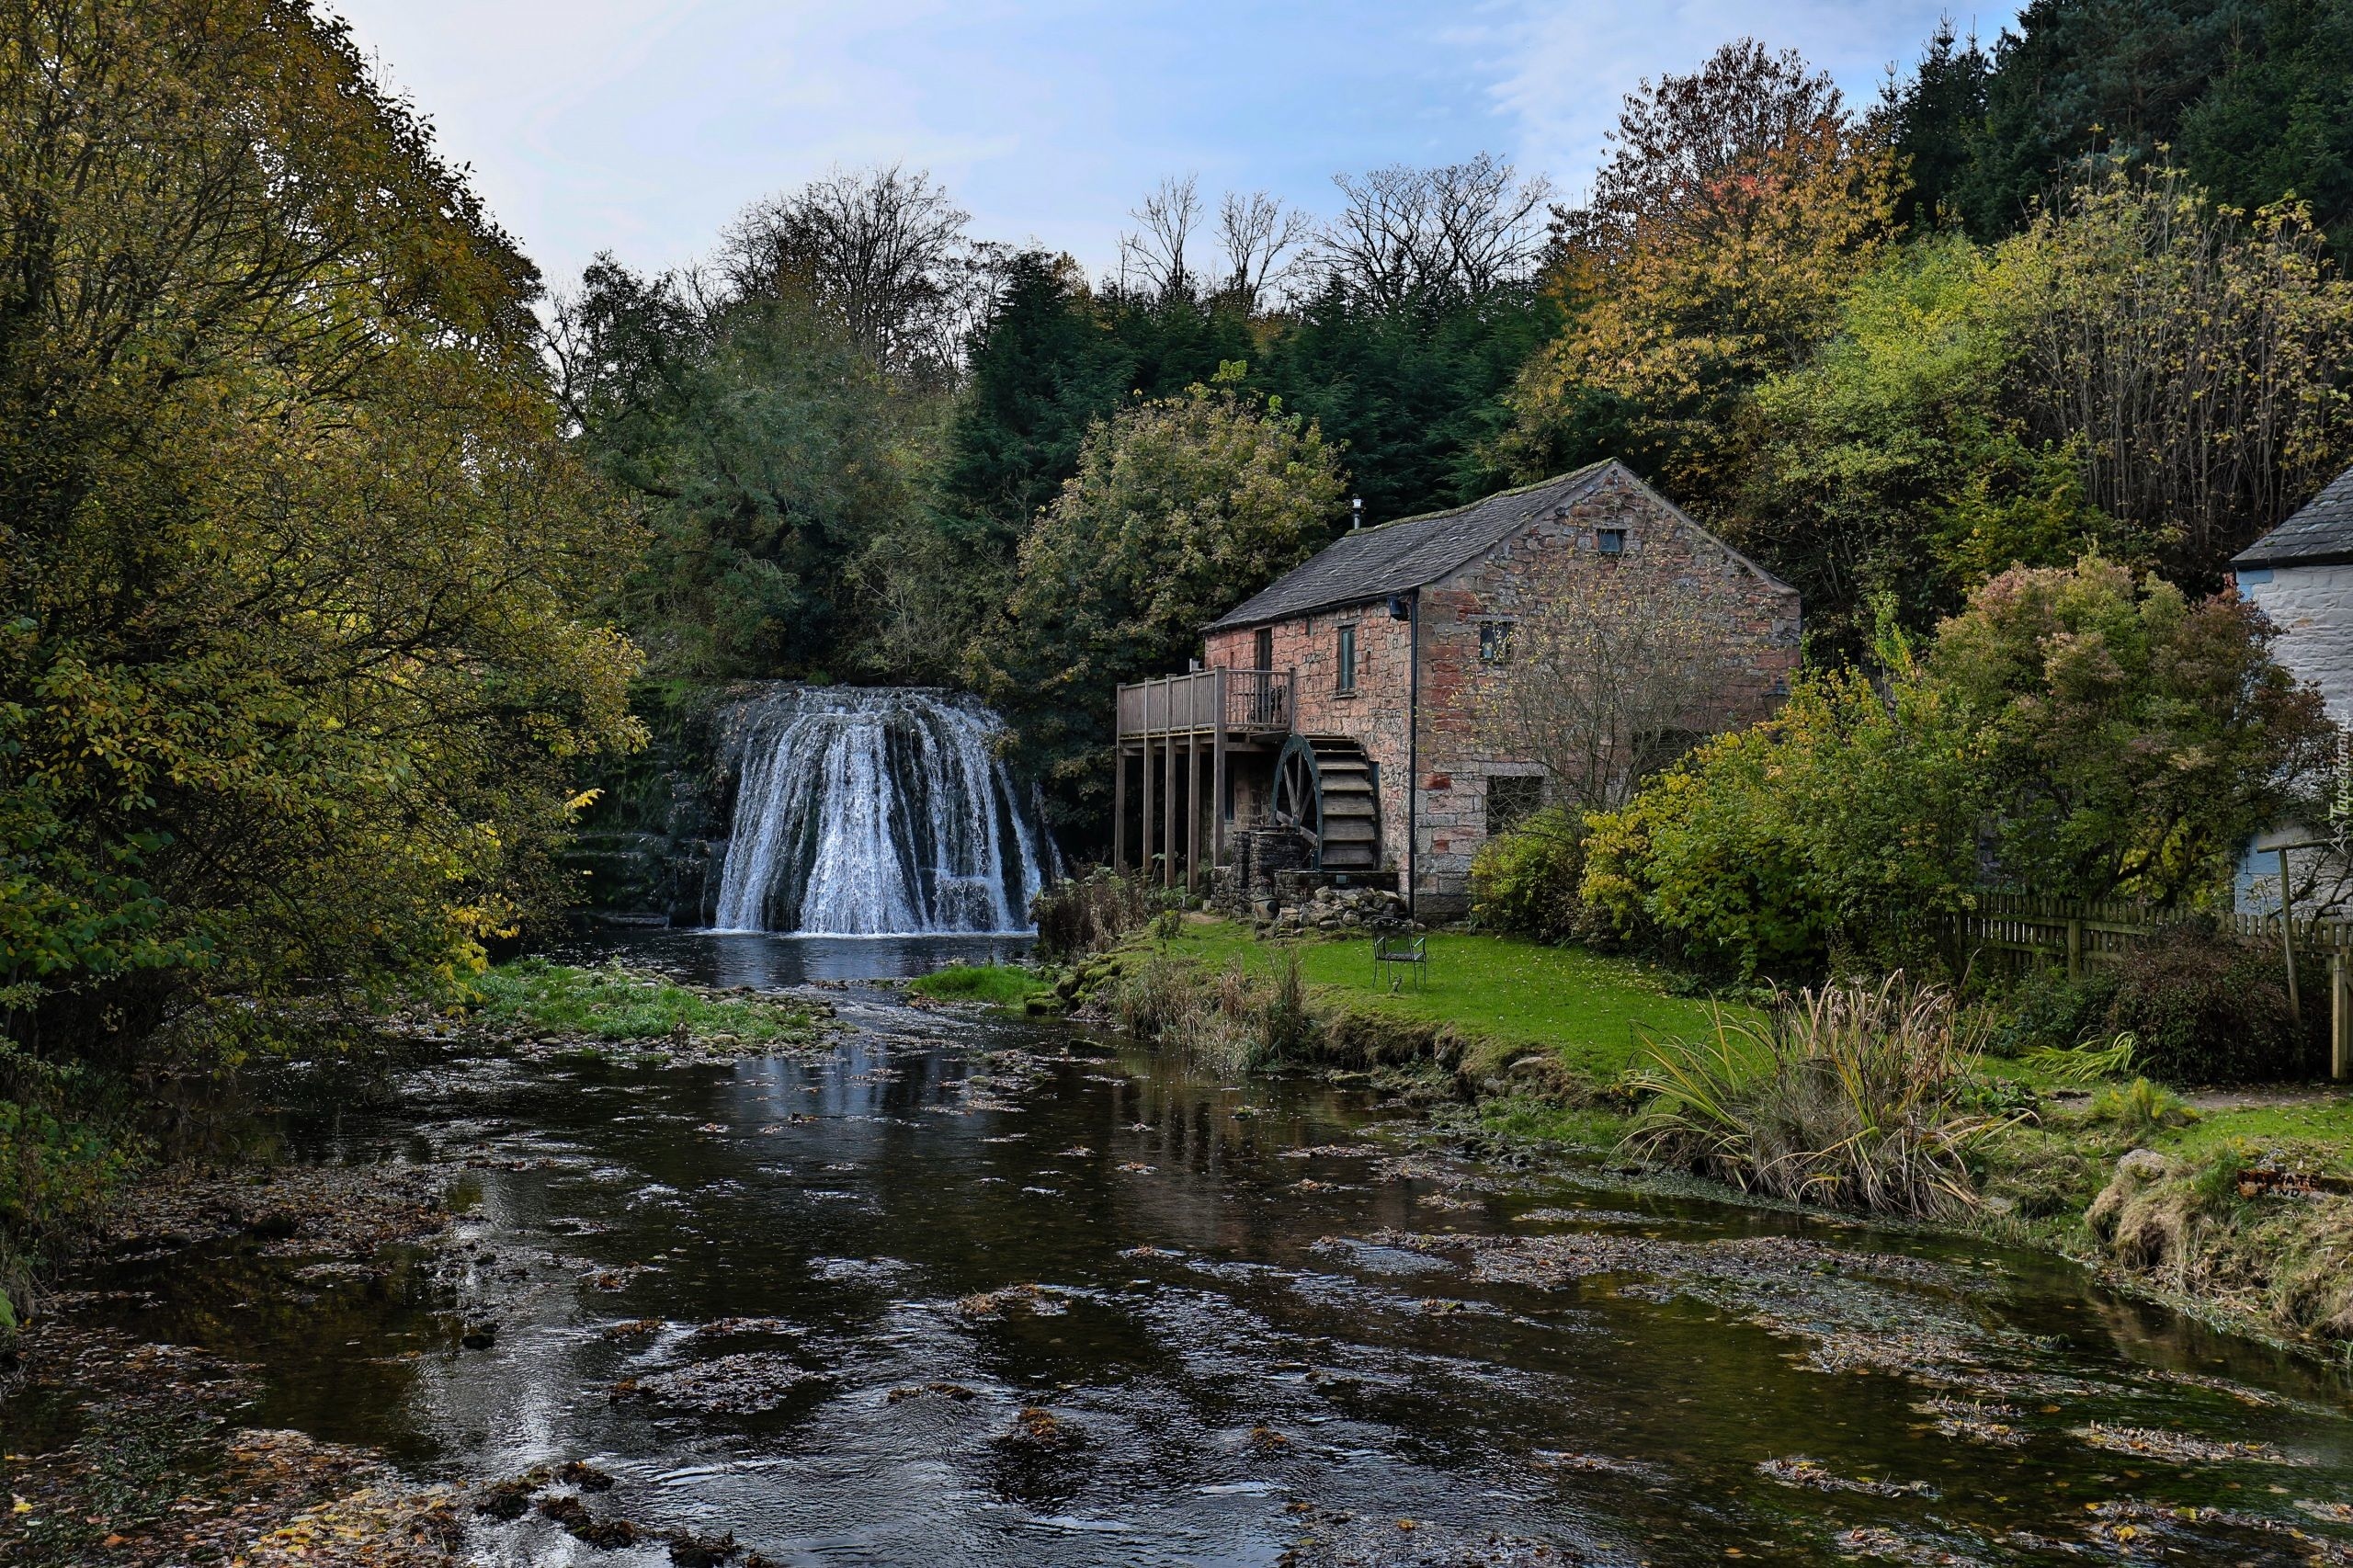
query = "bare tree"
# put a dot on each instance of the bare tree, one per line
(1610, 680)
(885, 249)
(1258, 235)
(1458, 230)
(1152, 255)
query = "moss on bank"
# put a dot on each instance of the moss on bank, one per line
(1000, 985)
(534, 999)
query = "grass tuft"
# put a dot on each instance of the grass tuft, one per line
(1854, 1096)
(1004, 985)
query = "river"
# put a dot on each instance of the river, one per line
(809, 1300)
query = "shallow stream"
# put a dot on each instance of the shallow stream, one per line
(809, 1300)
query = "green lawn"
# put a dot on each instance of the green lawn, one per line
(1593, 1010)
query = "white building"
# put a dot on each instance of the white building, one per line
(2301, 576)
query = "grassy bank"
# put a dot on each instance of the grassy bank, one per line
(534, 1002)
(2236, 1204)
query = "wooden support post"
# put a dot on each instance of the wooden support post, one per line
(1193, 814)
(1169, 811)
(1217, 774)
(2288, 940)
(1119, 807)
(1143, 837)
(2340, 1015)
(2074, 949)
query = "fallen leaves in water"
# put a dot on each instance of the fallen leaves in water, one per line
(1041, 1431)
(1814, 1475)
(578, 1522)
(2175, 1448)
(631, 1328)
(1974, 1421)
(957, 1392)
(743, 1384)
(1036, 1300)
(300, 1210)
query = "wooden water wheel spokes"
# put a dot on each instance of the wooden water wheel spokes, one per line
(1326, 789)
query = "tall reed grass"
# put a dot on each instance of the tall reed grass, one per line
(1083, 915)
(1232, 1020)
(1853, 1096)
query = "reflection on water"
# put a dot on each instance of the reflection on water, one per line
(808, 1301)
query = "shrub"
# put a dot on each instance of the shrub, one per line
(1526, 880)
(1855, 1096)
(2048, 1011)
(2204, 1007)
(1231, 1021)
(1080, 916)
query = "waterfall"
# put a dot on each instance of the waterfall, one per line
(874, 811)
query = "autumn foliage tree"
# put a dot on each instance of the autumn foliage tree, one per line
(1736, 206)
(295, 690)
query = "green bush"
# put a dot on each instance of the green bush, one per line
(2047, 1011)
(2205, 1008)
(1525, 881)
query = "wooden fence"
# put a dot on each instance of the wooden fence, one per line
(2017, 933)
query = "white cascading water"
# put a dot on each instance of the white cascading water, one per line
(874, 811)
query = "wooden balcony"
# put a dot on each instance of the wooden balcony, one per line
(1237, 705)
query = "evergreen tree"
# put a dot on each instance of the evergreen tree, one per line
(1042, 369)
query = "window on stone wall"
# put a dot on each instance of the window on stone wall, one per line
(1344, 660)
(1494, 642)
(1511, 798)
(1609, 541)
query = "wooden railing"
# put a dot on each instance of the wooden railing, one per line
(1242, 701)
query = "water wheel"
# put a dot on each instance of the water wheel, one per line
(1328, 790)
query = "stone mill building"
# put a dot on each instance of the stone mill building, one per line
(1331, 727)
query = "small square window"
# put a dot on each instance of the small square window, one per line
(1345, 659)
(1512, 799)
(1609, 541)
(1494, 642)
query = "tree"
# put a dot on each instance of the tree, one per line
(2195, 361)
(1455, 233)
(2136, 739)
(1180, 508)
(2071, 733)
(1736, 206)
(1897, 463)
(1842, 827)
(1611, 680)
(295, 682)
(1936, 118)
(1041, 370)
(882, 251)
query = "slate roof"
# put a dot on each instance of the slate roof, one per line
(1370, 564)
(2320, 534)
(1366, 564)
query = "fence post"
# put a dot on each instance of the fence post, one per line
(2340, 1017)
(2074, 949)
(2287, 941)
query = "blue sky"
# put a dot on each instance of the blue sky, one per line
(641, 126)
